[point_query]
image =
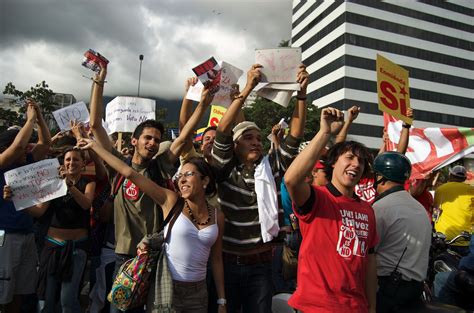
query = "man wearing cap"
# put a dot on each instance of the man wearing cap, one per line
(18, 258)
(238, 157)
(404, 236)
(455, 199)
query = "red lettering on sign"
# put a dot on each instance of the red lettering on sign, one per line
(390, 101)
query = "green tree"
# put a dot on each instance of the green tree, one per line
(41, 93)
(266, 114)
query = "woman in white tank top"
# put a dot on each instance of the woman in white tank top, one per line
(196, 234)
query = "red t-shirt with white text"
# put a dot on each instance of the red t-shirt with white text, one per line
(337, 234)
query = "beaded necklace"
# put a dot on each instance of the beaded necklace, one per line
(192, 215)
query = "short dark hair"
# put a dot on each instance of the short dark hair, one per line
(205, 169)
(206, 130)
(148, 124)
(358, 149)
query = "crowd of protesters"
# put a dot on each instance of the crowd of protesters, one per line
(297, 219)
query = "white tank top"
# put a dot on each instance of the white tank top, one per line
(188, 249)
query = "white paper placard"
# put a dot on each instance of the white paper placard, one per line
(77, 111)
(35, 183)
(123, 114)
(229, 76)
(282, 97)
(279, 65)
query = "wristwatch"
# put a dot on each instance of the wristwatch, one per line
(221, 301)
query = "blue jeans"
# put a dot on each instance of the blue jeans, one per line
(122, 258)
(69, 290)
(248, 288)
(445, 289)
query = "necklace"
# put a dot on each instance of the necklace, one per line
(194, 219)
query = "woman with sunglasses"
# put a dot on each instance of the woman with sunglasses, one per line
(196, 234)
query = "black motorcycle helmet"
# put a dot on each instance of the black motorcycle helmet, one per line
(393, 166)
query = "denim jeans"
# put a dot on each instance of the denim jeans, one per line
(248, 288)
(69, 290)
(122, 258)
(445, 289)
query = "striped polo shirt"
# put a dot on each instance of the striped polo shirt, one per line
(236, 190)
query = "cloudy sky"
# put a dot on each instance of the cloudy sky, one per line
(46, 40)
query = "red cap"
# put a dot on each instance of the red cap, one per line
(319, 165)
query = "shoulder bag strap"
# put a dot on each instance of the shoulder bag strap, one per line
(174, 213)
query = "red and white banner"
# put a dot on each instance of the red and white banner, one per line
(430, 148)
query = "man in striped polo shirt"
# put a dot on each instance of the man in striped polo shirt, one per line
(236, 154)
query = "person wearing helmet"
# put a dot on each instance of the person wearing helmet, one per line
(404, 233)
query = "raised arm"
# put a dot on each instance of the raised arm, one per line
(163, 197)
(11, 153)
(184, 136)
(298, 119)
(41, 148)
(96, 109)
(187, 105)
(227, 122)
(405, 134)
(331, 122)
(353, 113)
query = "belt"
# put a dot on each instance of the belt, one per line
(262, 257)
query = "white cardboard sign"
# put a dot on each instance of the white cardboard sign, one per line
(77, 111)
(35, 183)
(229, 76)
(123, 114)
(279, 65)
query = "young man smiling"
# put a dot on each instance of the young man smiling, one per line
(336, 262)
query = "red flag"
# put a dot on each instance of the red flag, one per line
(430, 148)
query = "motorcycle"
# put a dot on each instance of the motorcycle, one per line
(444, 257)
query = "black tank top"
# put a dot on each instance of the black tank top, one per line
(67, 213)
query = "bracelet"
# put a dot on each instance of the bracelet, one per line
(406, 126)
(301, 98)
(221, 301)
(99, 82)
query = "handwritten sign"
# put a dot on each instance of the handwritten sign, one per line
(123, 114)
(77, 111)
(279, 65)
(393, 90)
(35, 183)
(229, 76)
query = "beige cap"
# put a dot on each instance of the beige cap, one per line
(240, 128)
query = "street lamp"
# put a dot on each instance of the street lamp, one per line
(139, 74)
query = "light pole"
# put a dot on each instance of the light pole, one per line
(139, 74)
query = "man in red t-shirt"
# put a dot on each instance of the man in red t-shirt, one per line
(336, 263)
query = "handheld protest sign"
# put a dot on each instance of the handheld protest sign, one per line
(393, 91)
(77, 111)
(217, 112)
(123, 114)
(229, 77)
(279, 65)
(35, 183)
(209, 74)
(94, 60)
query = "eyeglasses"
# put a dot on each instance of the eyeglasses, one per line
(185, 174)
